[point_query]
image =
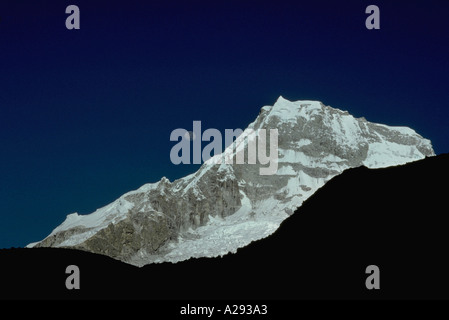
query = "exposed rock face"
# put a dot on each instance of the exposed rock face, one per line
(123, 239)
(222, 207)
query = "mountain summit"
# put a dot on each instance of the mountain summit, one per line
(223, 207)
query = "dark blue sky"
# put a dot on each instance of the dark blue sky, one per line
(86, 115)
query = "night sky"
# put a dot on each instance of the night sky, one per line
(86, 115)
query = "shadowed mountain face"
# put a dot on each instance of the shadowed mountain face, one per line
(395, 218)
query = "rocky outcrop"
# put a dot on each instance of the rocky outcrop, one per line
(123, 239)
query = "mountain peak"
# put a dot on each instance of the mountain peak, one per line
(223, 207)
(280, 99)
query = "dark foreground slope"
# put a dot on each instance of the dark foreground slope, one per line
(395, 218)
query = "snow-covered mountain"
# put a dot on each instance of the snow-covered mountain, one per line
(223, 207)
